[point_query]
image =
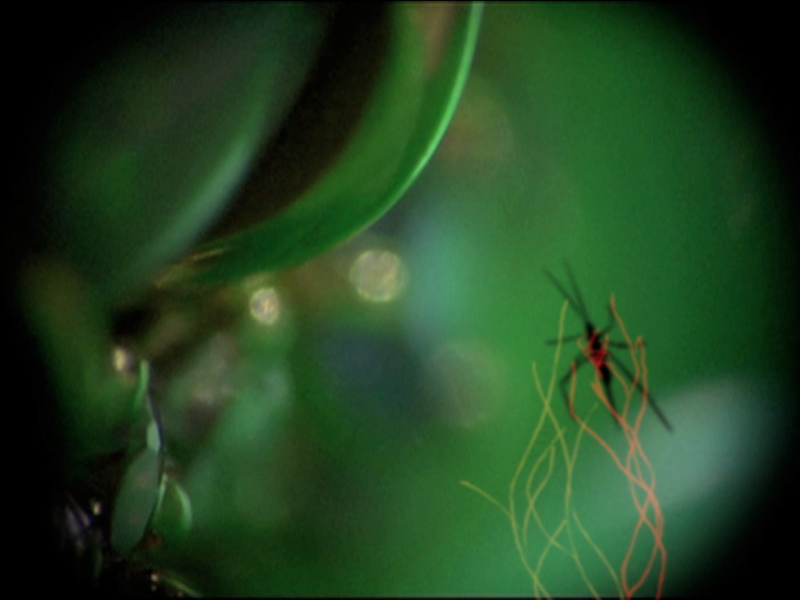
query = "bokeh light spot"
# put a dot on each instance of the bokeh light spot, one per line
(124, 361)
(265, 305)
(378, 275)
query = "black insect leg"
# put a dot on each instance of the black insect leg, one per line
(605, 376)
(650, 398)
(569, 338)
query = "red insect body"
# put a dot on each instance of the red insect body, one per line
(598, 354)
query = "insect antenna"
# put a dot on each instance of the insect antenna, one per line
(578, 308)
(580, 305)
(575, 301)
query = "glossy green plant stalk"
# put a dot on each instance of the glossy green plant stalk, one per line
(401, 127)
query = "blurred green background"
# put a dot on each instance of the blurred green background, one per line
(319, 418)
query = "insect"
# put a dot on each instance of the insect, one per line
(598, 352)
